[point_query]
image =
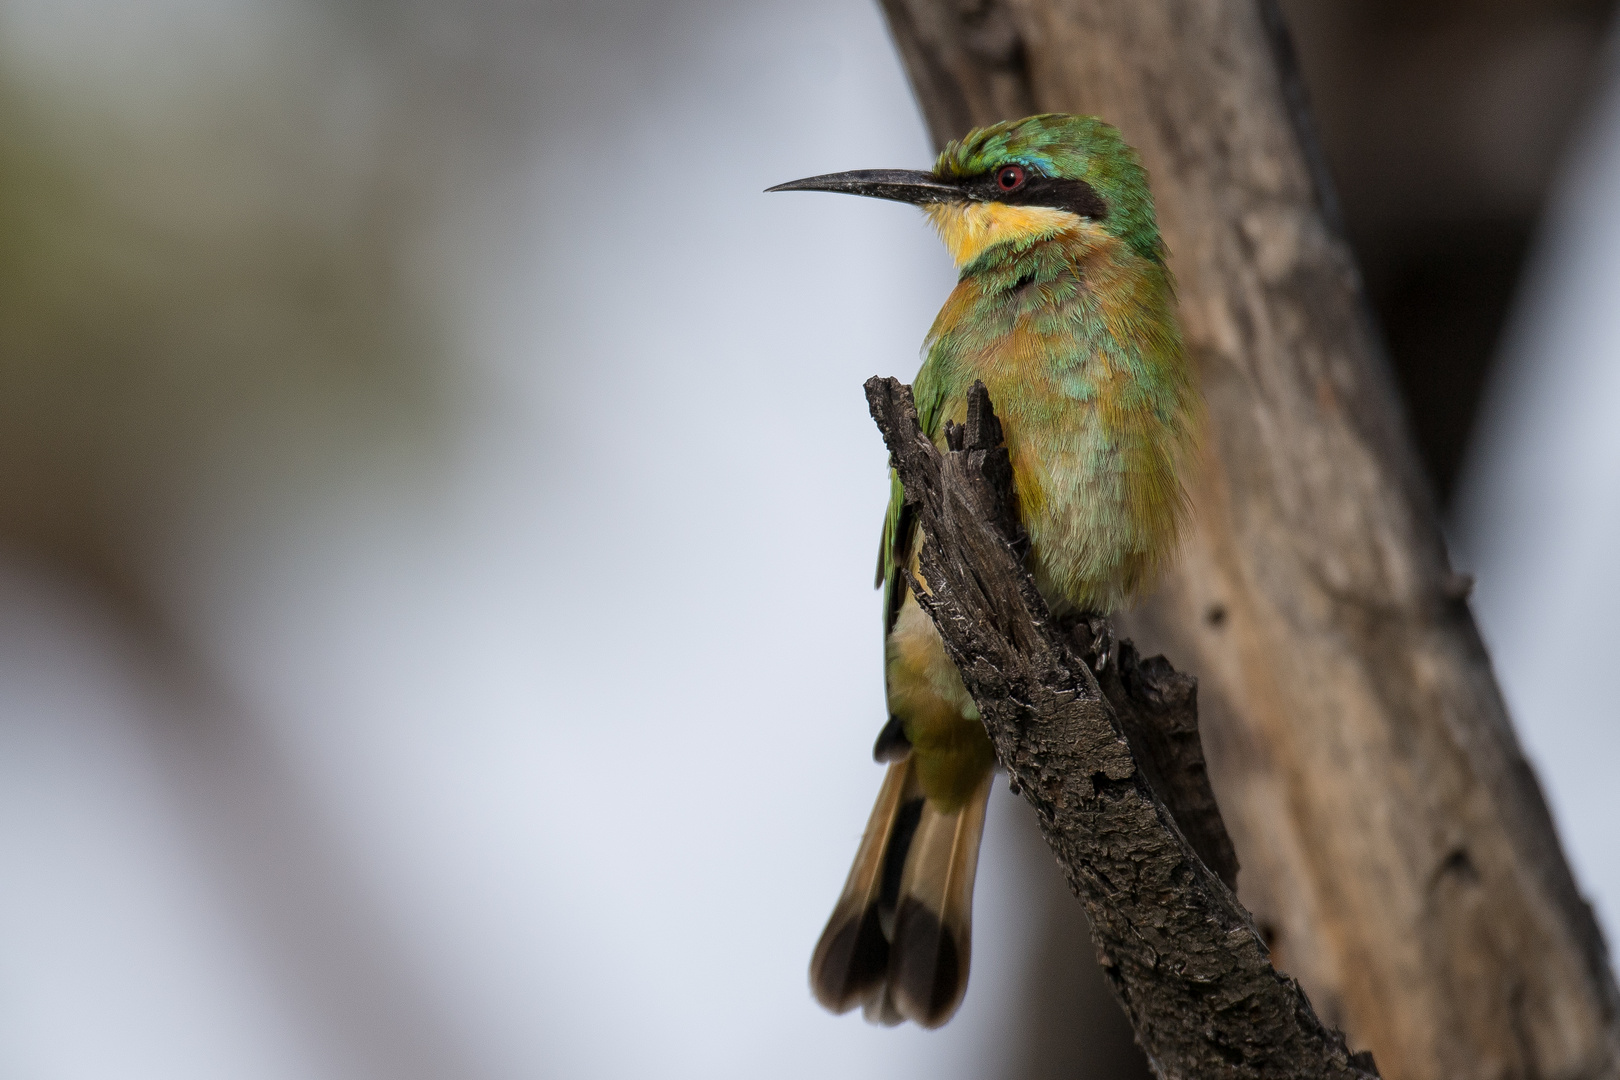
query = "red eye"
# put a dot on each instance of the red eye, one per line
(1010, 177)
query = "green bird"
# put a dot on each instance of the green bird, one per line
(1065, 309)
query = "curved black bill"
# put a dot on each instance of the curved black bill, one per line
(901, 185)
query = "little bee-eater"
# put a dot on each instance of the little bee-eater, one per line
(1064, 308)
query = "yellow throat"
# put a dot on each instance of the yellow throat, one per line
(971, 228)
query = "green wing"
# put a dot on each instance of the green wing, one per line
(894, 551)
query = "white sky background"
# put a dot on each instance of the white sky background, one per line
(591, 714)
(588, 714)
(1538, 508)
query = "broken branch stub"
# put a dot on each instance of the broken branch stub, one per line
(1182, 955)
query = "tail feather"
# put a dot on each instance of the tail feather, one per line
(851, 960)
(898, 942)
(932, 940)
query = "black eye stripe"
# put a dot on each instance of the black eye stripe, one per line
(1075, 196)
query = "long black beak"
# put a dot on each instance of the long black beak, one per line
(901, 185)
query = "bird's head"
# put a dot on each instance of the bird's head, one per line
(1020, 182)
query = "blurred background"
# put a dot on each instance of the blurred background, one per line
(437, 508)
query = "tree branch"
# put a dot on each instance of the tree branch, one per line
(1182, 954)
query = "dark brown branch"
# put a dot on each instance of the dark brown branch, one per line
(1157, 707)
(1182, 954)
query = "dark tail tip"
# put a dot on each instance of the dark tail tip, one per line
(928, 972)
(850, 961)
(892, 744)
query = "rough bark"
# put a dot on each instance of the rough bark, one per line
(1157, 708)
(1184, 957)
(1397, 850)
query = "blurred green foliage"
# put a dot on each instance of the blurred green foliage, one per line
(212, 297)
